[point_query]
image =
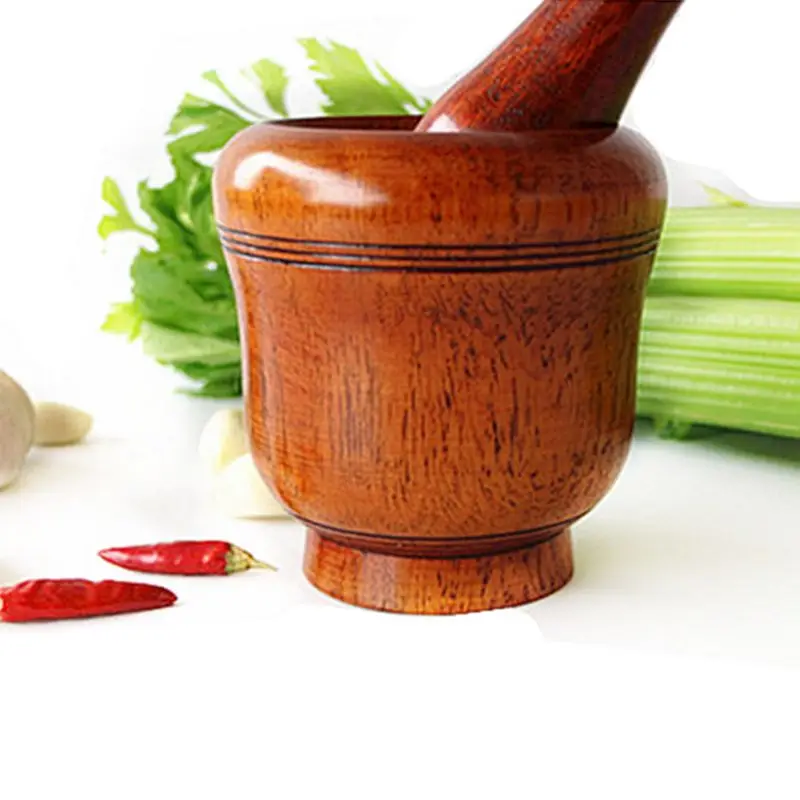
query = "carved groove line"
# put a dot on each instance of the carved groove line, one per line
(649, 233)
(454, 268)
(556, 529)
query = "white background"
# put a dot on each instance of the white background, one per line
(668, 666)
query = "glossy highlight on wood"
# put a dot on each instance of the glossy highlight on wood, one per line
(440, 342)
(570, 63)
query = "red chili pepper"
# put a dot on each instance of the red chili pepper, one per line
(69, 599)
(184, 558)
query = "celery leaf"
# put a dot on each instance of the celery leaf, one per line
(719, 198)
(351, 88)
(273, 81)
(124, 319)
(210, 126)
(213, 78)
(120, 221)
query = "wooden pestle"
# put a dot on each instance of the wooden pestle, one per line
(571, 63)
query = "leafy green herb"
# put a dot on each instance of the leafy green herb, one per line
(215, 125)
(183, 308)
(125, 319)
(272, 80)
(122, 219)
(720, 198)
(166, 344)
(213, 78)
(352, 88)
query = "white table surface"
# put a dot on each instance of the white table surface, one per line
(696, 551)
(674, 648)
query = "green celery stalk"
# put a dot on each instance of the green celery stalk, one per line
(726, 352)
(727, 317)
(729, 251)
(727, 277)
(712, 413)
(723, 362)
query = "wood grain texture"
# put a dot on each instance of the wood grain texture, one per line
(453, 585)
(570, 63)
(440, 341)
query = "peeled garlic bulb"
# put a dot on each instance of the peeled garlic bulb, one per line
(223, 439)
(225, 451)
(242, 493)
(17, 419)
(58, 425)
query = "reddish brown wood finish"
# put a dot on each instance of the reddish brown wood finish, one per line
(440, 338)
(570, 63)
(410, 584)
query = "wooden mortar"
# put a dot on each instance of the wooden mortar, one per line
(440, 339)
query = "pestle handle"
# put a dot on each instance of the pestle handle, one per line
(571, 63)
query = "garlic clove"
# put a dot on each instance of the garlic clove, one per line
(17, 420)
(58, 425)
(223, 439)
(242, 493)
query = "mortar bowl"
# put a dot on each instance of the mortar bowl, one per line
(440, 337)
